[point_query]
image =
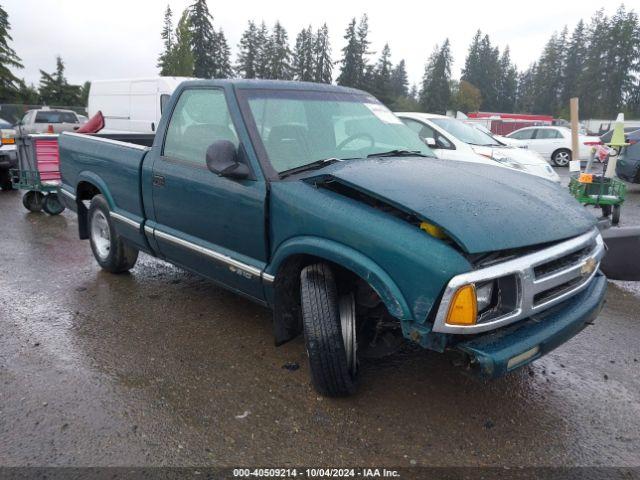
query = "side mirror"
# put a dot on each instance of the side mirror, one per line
(222, 159)
(431, 142)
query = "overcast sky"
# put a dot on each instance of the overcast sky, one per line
(121, 39)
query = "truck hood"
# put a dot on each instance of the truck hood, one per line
(481, 207)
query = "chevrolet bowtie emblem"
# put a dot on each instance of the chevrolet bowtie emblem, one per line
(588, 268)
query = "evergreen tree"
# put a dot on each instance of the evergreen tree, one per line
(482, 69)
(27, 94)
(84, 93)
(574, 64)
(435, 95)
(594, 74)
(622, 62)
(168, 41)
(181, 59)
(400, 80)
(10, 85)
(202, 39)
(382, 87)
(221, 56)
(507, 84)
(263, 41)
(549, 77)
(323, 65)
(526, 95)
(55, 90)
(351, 74)
(249, 51)
(279, 54)
(304, 56)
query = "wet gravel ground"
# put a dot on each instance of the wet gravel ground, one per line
(159, 367)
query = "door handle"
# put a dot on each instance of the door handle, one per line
(158, 180)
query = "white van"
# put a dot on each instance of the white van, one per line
(132, 105)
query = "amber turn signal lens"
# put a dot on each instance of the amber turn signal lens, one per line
(8, 141)
(463, 309)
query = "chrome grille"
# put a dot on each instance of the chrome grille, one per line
(545, 278)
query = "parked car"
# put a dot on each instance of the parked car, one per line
(554, 143)
(606, 137)
(315, 200)
(5, 125)
(131, 105)
(628, 165)
(8, 157)
(48, 120)
(452, 139)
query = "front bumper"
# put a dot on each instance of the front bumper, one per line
(489, 354)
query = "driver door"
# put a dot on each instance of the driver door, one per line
(210, 224)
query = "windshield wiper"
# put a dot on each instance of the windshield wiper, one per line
(309, 166)
(398, 153)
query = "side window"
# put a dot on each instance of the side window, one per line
(200, 118)
(546, 134)
(523, 134)
(426, 131)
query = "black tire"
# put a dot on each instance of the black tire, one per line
(5, 181)
(52, 204)
(615, 216)
(606, 210)
(561, 158)
(33, 201)
(322, 332)
(118, 256)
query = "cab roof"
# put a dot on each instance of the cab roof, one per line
(256, 84)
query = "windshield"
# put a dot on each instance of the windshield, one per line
(464, 132)
(301, 127)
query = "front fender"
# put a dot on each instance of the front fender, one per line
(350, 259)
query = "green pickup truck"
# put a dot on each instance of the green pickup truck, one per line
(316, 201)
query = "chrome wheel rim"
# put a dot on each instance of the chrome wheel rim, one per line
(100, 234)
(562, 158)
(347, 312)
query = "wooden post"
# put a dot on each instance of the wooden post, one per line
(575, 143)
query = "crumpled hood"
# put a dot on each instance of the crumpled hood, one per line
(483, 208)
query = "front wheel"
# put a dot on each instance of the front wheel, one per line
(329, 332)
(109, 249)
(561, 158)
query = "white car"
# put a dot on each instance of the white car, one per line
(453, 139)
(554, 143)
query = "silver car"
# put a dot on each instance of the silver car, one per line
(49, 120)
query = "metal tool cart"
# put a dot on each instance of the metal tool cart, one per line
(602, 190)
(38, 172)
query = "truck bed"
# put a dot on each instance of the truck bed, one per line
(113, 163)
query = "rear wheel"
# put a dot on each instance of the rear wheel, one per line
(52, 204)
(561, 158)
(109, 249)
(329, 332)
(33, 201)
